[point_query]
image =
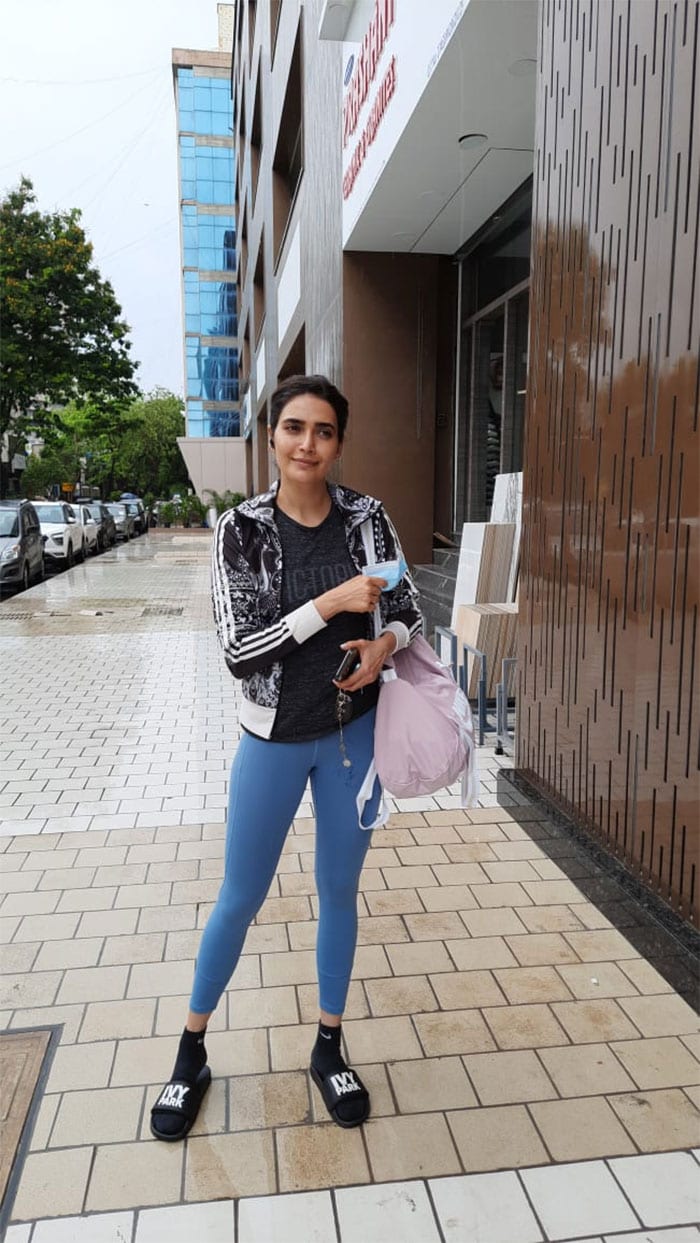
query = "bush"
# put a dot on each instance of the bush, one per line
(225, 500)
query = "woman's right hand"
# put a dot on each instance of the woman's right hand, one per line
(356, 595)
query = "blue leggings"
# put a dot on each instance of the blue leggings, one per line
(267, 783)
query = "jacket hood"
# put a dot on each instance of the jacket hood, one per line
(354, 506)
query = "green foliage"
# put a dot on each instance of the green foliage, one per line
(192, 511)
(166, 514)
(224, 500)
(62, 336)
(58, 464)
(148, 459)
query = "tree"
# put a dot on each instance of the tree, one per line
(149, 459)
(61, 333)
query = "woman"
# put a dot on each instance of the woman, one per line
(290, 599)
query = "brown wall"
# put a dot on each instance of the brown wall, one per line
(608, 658)
(389, 377)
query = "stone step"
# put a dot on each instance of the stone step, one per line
(447, 559)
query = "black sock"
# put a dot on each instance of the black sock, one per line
(191, 1056)
(326, 1057)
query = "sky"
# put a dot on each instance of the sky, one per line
(87, 113)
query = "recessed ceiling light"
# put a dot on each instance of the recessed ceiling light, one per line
(469, 141)
(522, 68)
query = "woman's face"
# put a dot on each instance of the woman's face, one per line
(306, 440)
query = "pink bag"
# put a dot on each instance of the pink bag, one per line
(423, 733)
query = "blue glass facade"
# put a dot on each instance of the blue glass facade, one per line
(208, 254)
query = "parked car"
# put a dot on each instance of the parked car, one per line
(106, 526)
(90, 527)
(21, 545)
(138, 513)
(123, 520)
(64, 541)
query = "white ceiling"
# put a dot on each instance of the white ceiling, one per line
(431, 195)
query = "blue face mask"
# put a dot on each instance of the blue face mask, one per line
(392, 571)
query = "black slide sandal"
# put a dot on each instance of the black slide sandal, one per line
(180, 1097)
(342, 1086)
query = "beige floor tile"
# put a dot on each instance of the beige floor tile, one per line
(356, 1006)
(522, 985)
(70, 1016)
(518, 850)
(410, 1147)
(259, 1102)
(507, 895)
(436, 1083)
(658, 1062)
(319, 1156)
(295, 884)
(466, 990)
(65, 878)
(552, 892)
(482, 833)
(381, 930)
(585, 1070)
(605, 945)
(448, 898)
(410, 855)
(10, 923)
(241, 1052)
(142, 1060)
(47, 927)
(437, 926)
(126, 1175)
(578, 1130)
(124, 874)
(300, 936)
(141, 947)
(395, 901)
(100, 856)
(292, 967)
(381, 1040)
(597, 979)
(541, 949)
(410, 877)
(44, 1121)
(661, 1016)
(167, 918)
(586, 1021)
(20, 990)
(370, 962)
(398, 837)
(383, 856)
(431, 835)
(181, 944)
(52, 1184)
(470, 852)
(419, 958)
(460, 874)
(645, 977)
(481, 953)
(118, 1020)
(692, 1042)
(375, 1079)
(171, 1013)
(266, 939)
(499, 1138)
(98, 1116)
(524, 1027)
(160, 979)
(454, 1031)
(19, 958)
(507, 871)
(290, 1047)
(509, 1078)
(659, 1121)
(81, 1065)
(279, 910)
(88, 900)
(213, 1117)
(156, 895)
(409, 994)
(693, 1095)
(33, 903)
(499, 922)
(93, 984)
(549, 919)
(159, 872)
(188, 891)
(106, 923)
(263, 1007)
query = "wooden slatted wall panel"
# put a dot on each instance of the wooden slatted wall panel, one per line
(608, 633)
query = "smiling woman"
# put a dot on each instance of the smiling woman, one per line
(290, 597)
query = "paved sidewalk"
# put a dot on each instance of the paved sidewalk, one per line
(524, 1029)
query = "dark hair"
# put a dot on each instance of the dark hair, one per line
(315, 386)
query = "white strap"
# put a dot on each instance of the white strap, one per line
(367, 532)
(364, 794)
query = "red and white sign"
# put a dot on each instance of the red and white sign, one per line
(366, 66)
(384, 94)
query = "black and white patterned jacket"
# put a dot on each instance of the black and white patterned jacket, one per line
(247, 594)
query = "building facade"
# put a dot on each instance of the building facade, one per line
(436, 208)
(212, 445)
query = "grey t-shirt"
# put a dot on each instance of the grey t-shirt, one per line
(314, 560)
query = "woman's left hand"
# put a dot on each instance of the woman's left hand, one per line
(373, 654)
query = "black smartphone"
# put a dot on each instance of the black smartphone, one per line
(347, 666)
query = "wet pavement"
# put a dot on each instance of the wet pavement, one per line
(533, 1074)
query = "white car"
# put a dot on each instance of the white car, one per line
(64, 541)
(91, 529)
